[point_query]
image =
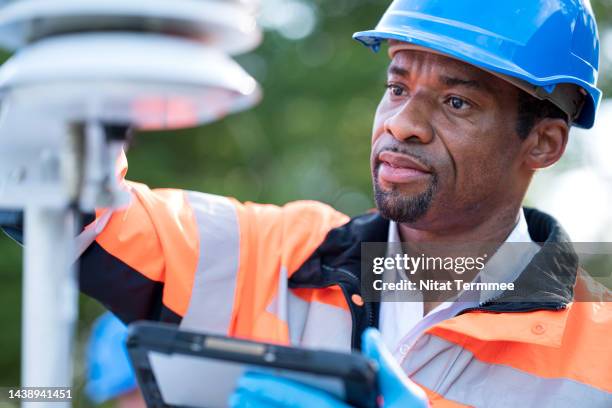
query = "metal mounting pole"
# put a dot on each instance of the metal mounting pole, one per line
(50, 288)
(50, 300)
(57, 160)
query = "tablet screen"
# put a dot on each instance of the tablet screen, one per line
(192, 381)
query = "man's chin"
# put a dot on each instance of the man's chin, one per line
(404, 204)
(403, 191)
(402, 208)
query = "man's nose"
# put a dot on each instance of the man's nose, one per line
(410, 122)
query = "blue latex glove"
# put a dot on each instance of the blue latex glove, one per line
(396, 388)
(258, 390)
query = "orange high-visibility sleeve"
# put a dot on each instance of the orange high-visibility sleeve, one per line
(142, 262)
(275, 242)
(210, 261)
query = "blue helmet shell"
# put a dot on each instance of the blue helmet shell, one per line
(543, 42)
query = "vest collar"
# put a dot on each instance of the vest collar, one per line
(544, 287)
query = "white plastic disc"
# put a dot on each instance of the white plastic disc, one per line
(227, 25)
(150, 81)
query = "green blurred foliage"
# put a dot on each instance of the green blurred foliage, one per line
(309, 136)
(307, 139)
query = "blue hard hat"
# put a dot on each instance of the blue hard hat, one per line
(542, 42)
(109, 371)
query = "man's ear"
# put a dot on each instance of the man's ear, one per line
(546, 143)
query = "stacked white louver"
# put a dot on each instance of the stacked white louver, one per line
(82, 69)
(150, 63)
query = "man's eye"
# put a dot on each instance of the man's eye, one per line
(396, 90)
(457, 103)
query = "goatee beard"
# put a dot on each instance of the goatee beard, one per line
(395, 206)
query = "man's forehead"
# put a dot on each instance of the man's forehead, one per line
(404, 59)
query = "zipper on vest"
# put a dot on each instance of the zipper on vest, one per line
(482, 307)
(367, 306)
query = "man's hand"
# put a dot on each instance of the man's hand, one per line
(257, 390)
(396, 388)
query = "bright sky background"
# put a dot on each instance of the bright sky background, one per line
(578, 190)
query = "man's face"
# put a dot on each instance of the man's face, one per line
(444, 144)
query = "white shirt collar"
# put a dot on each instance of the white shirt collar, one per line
(401, 321)
(520, 233)
(507, 263)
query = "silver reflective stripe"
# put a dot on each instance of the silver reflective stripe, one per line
(212, 296)
(287, 304)
(311, 324)
(88, 236)
(457, 375)
(327, 327)
(278, 306)
(298, 310)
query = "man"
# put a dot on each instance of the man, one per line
(479, 97)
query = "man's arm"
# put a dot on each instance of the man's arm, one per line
(141, 261)
(146, 261)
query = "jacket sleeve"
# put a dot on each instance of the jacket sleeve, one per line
(146, 261)
(174, 252)
(139, 260)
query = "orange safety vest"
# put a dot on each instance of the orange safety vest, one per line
(291, 275)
